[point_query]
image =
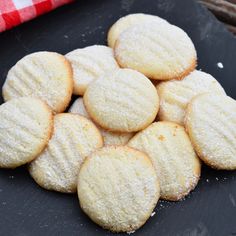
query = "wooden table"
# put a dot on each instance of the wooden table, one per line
(224, 10)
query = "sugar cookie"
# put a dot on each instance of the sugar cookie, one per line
(74, 138)
(122, 101)
(178, 167)
(109, 138)
(129, 20)
(46, 75)
(176, 94)
(118, 188)
(211, 124)
(159, 51)
(26, 125)
(90, 63)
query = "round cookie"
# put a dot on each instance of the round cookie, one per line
(129, 20)
(211, 123)
(122, 101)
(109, 138)
(159, 51)
(74, 138)
(90, 63)
(26, 125)
(46, 75)
(178, 167)
(118, 188)
(176, 94)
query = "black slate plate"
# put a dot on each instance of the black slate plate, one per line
(26, 209)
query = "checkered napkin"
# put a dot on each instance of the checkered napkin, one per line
(15, 12)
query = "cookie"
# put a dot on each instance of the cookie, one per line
(118, 188)
(74, 138)
(26, 125)
(129, 20)
(122, 101)
(90, 63)
(177, 166)
(109, 138)
(211, 123)
(176, 94)
(46, 75)
(159, 51)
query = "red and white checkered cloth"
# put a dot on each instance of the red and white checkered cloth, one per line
(15, 12)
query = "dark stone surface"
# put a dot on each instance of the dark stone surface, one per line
(26, 209)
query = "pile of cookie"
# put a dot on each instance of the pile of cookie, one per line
(144, 120)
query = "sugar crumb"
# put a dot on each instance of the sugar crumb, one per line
(154, 213)
(131, 232)
(220, 65)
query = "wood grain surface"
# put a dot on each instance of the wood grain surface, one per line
(224, 10)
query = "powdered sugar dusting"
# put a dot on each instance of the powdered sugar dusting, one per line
(127, 21)
(212, 128)
(120, 185)
(90, 63)
(37, 75)
(151, 48)
(109, 138)
(177, 165)
(25, 125)
(74, 138)
(176, 94)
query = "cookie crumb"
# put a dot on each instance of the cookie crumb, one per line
(220, 65)
(207, 180)
(131, 232)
